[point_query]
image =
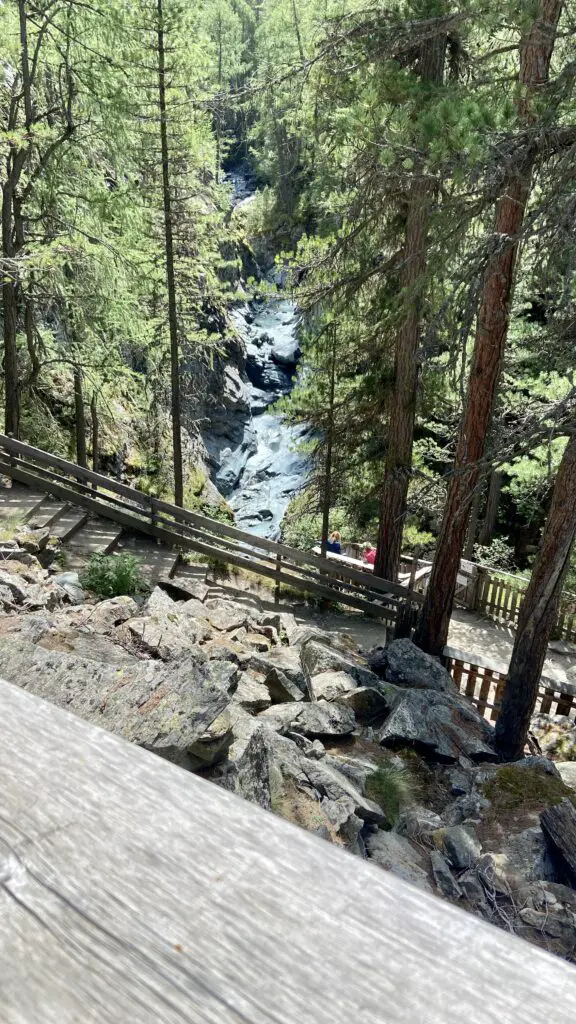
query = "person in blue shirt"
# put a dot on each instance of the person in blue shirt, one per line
(333, 543)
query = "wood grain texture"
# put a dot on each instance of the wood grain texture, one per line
(559, 823)
(134, 892)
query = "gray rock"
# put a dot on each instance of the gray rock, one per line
(172, 710)
(343, 796)
(283, 622)
(183, 587)
(471, 807)
(443, 877)
(252, 695)
(442, 726)
(461, 846)
(317, 658)
(34, 541)
(522, 857)
(548, 917)
(370, 706)
(378, 660)
(223, 674)
(314, 720)
(472, 889)
(407, 665)
(108, 614)
(398, 855)
(331, 685)
(224, 615)
(168, 638)
(18, 588)
(567, 771)
(415, 822)
(282, 674)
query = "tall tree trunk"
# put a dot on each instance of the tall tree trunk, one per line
(491, 333)
(538, 612)
(170, 276)
(79, 417)
(95, 422)
(327, 496)
(473, 523)
(493, 503)
(398, 467)
(9, 310)
(218, 125)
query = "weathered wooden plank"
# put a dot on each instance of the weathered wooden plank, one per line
(559, 823)
(133, 892)
(485, 688)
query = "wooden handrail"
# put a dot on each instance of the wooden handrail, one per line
(178, 526)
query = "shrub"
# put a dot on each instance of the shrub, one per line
(392, 788)
(113, 575)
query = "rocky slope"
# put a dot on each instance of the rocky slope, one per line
(375, 752)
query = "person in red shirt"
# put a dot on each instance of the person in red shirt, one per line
(368, 553)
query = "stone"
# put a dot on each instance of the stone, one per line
(218, 651)
(317, 658)
(406, 665)
(72, 594)
(283, 622)
(282, 673)
(257, 642)
(343, 796)
(556, 736)
(223, 674)
(331, 685)
(415, 822)
(461, 846)
(19, 590)
(567, 771)
(184, 588)
(471, 807)
(522, 857)
(472, 889)
(34, 541)
(443, 877)
(548, 918)
(110, 613)
(314, 720)
(168, 638)
(442, 726)
(168, 709)
(224, 615)
(398, 855)
(371, 707)
(251, 694)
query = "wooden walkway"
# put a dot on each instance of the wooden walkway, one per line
(133, 892)
(87, 501)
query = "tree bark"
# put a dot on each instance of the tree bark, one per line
(491, 333)
(398, 467)
(538, 612)
(473, 523)
(329, 443)
(9, 311)
(170, 275)
(95, 433)
(493, 503)
(79, 417)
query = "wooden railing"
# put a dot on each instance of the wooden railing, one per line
(134, 892)
(483, 683)
(189, 531)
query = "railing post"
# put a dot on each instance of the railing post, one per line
(277, 587)
(153, 511)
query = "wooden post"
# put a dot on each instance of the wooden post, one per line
(277, 587)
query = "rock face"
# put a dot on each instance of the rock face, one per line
(392, 764)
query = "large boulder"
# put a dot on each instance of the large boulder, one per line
(281, 673)
(331, 685)
(317, 658)
(370, 706)
(314, 720)
(107, 614)
(251, 694)
(441, 726)
(398, 855)
(173, 710)
(404, 664)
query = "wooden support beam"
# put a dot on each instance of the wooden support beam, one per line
(135, 892)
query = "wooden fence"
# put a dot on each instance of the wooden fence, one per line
(189, 531)
(483, 683)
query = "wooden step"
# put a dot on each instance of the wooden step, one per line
(155, 559)
(68, 522)
(18, 503)
(47, 512)
(96, 536)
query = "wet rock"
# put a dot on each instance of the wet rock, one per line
(314, 720)
(442, 726)
(405, 664)
(443, 877)
(398, 855)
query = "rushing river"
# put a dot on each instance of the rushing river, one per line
(263, 471)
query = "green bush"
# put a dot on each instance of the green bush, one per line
(113, 575)
(392, 788)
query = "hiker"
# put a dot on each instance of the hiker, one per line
(333, 543)
(368, 553)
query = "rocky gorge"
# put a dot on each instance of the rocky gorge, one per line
(375, 751)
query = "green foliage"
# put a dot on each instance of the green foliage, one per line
(392, 788)
(513, 788)
(113, 575)
(498, 554)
